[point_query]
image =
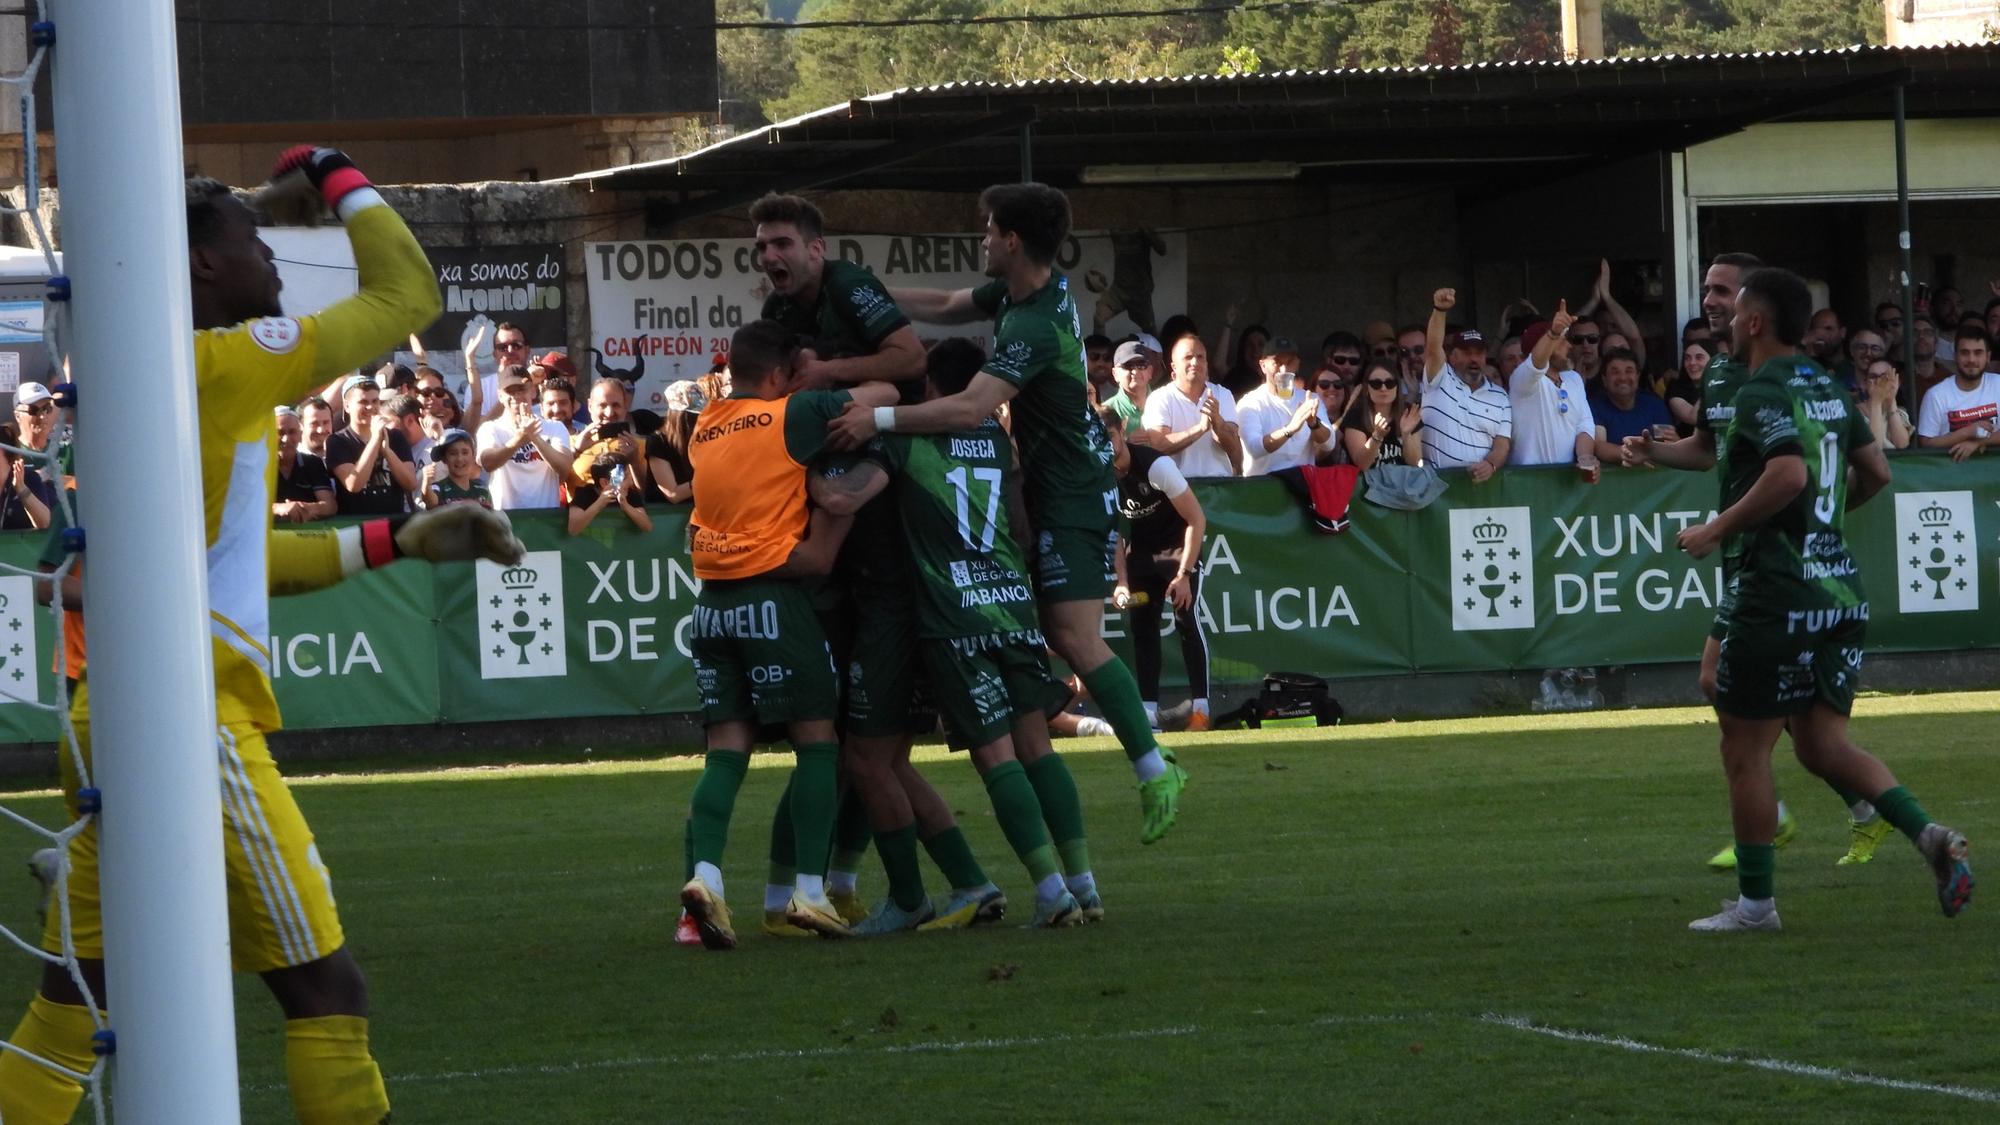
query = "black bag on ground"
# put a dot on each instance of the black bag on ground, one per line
(1287, 699)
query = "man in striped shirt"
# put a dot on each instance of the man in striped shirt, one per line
(1468, 421)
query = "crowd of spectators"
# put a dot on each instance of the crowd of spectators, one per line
(1562, 389)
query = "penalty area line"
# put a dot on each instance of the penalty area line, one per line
(644, 1062)
(1754, 1062)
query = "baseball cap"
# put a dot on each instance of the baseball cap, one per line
(452, 435)
(28, 394)
(392, 374)
(1151, 343)
(1466, 338)
(1280, 345)
(511, 375)
(284, 412)
(1532, 335)
(559, 363)
(1131, 351)
(355, 382)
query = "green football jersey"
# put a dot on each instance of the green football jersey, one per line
(971, 578)
(1796, 564)
(1065, 453)
(852, 315)
(1714, 407)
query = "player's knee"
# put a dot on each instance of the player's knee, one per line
(331, 986)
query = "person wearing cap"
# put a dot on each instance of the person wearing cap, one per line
(526, 455)
(34, 416)
(305, 487)
(1192, 419)
(1467, 421)
(1284, 426)
(1553, 423)
(1132, 367)
(452, 477)
(370, 459)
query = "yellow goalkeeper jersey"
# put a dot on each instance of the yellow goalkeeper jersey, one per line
(241, 374)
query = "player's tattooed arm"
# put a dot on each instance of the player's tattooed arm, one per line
(843, 495)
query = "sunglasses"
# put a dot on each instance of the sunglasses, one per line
(510, 345)
(1382, 384)
(1586, 341)
(1327, 384)
(432, 392)
(1345, 361)
(38, 409)
(1411, 353)
(1562, 400)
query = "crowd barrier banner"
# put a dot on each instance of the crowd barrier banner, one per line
(1532, 569)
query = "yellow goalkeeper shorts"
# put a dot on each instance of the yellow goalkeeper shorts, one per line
(281, 909)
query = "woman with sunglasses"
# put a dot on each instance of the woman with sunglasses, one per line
(1331, 384)
(1380, 423)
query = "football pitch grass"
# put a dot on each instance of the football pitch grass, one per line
(1479, 920)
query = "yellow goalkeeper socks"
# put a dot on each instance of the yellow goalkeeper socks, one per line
(32, 1094)
(334, 1079)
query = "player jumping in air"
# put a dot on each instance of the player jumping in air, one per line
(1071, 498)
(250, 358)
(1791, 646)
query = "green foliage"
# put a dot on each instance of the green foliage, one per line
(835, 64)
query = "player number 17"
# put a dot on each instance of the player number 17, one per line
(961, 487)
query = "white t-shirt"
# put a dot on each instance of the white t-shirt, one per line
(1547, 417)
(1261, 413)
(1168, 407)
(1460, 423)
(1948, 407)
(526, 481)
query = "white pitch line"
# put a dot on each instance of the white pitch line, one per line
(1779, 1066)
(642, 1062)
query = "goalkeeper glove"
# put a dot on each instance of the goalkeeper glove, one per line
(458, 533)
(304, 178)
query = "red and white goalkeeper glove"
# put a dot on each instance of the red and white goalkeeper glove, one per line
(307, 177)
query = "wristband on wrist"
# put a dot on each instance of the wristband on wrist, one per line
(885, 419)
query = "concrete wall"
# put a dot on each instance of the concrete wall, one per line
(1931, 23)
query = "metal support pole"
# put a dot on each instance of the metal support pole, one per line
(1903, 246)
(152, 687)
(1028, 153)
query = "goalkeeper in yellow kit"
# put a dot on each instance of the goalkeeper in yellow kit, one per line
(250, 357)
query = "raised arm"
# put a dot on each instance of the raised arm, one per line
(866, 416)
(1442, 302)
(843, 495)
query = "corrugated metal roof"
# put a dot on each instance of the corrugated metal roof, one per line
(1607, 94)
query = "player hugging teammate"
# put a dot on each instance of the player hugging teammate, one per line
(945, 532)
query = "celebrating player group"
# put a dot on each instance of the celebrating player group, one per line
(848, 469)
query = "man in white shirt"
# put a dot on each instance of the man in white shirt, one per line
(1550, 405)
(1283, 425)
(1192, 420)
(526, 455)
(1468, 422)
(1962, 414)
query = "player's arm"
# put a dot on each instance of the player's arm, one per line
(899, 356)
(816, 554)
(962, 411)
(1695, 453)
(844, 495)
(1764, 423)
(938, 306)
(303, 561)
(1870, 474)
(397, 294)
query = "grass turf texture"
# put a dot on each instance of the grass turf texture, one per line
(1319, 938)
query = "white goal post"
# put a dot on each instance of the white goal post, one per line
(152, 693)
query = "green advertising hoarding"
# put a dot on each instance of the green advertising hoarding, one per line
(1532, 569)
